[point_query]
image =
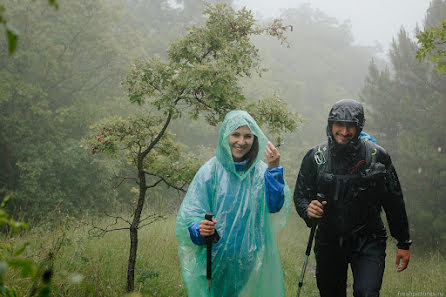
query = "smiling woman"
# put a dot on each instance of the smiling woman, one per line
(240, 142)
(251, 202)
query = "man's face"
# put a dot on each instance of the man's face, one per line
(240, 142)
(343, 132)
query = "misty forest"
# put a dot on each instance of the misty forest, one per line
(109, 107)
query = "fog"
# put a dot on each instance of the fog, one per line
(92, 83)
(372, 22)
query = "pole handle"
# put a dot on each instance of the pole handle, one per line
(209, 215)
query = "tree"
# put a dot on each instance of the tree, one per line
(61, 79)
(406, 102)
(200, 78)
(433, 39)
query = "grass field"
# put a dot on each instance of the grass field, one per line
(90, 266)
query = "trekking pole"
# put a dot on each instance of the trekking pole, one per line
(209, 239)
(320, 197)
(307, 255)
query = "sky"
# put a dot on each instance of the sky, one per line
(372, 21)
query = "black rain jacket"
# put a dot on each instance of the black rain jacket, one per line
(357, 180)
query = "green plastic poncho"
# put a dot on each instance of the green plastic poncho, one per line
(246, 261)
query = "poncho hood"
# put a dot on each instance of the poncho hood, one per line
(233, 120)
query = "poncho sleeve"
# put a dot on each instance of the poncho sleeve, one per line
(280, 218)
(274, 184)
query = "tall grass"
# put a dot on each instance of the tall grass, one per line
(91, 266)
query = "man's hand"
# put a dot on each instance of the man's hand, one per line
(273, 155)
(316, 209)
(207, 228)
(402, 255)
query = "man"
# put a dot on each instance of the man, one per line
(343, 185)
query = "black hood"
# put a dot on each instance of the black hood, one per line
(346, 110)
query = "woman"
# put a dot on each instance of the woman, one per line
(251, 202)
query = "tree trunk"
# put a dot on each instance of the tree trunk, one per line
(135, 225)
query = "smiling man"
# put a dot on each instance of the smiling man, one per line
(354, 179)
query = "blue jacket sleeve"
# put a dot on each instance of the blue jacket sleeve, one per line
(274, 184)
(195, 235)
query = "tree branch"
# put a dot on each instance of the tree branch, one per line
(123, 178)
(96, 231)
(205, 55)
(103, 231)
(154, 185)
(117, 218)
(168, 183)
(163, 130)
(201, 101)
(154, 217)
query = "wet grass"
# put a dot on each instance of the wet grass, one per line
(91, 266)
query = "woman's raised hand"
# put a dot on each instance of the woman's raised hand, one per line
(273, 155)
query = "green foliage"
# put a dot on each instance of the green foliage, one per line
(406, 109)
(12, 259)
(63, 77)
(11, 33)
(432, 40)
(203, 68)
(201, 77)
(273, 112)
(5, 220)
(166, 160)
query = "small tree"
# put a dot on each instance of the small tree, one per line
(200, 77)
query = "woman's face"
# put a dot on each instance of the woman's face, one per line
(240, 142)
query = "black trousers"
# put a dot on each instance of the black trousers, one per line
(366, 256)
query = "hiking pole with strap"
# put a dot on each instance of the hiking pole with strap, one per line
(320, 197)
(209, 240)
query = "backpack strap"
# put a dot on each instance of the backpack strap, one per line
(370, 152)
(320, 156)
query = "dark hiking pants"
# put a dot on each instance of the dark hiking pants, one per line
(367, 259)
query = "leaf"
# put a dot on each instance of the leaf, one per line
(53, 3)
(27, 266)
(6, 200)
(12, 35)
(21, 250)
(43, 292)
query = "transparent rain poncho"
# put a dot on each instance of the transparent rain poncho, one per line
(246, 261)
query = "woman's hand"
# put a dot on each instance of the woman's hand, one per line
(207, 228)
(273, 155)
